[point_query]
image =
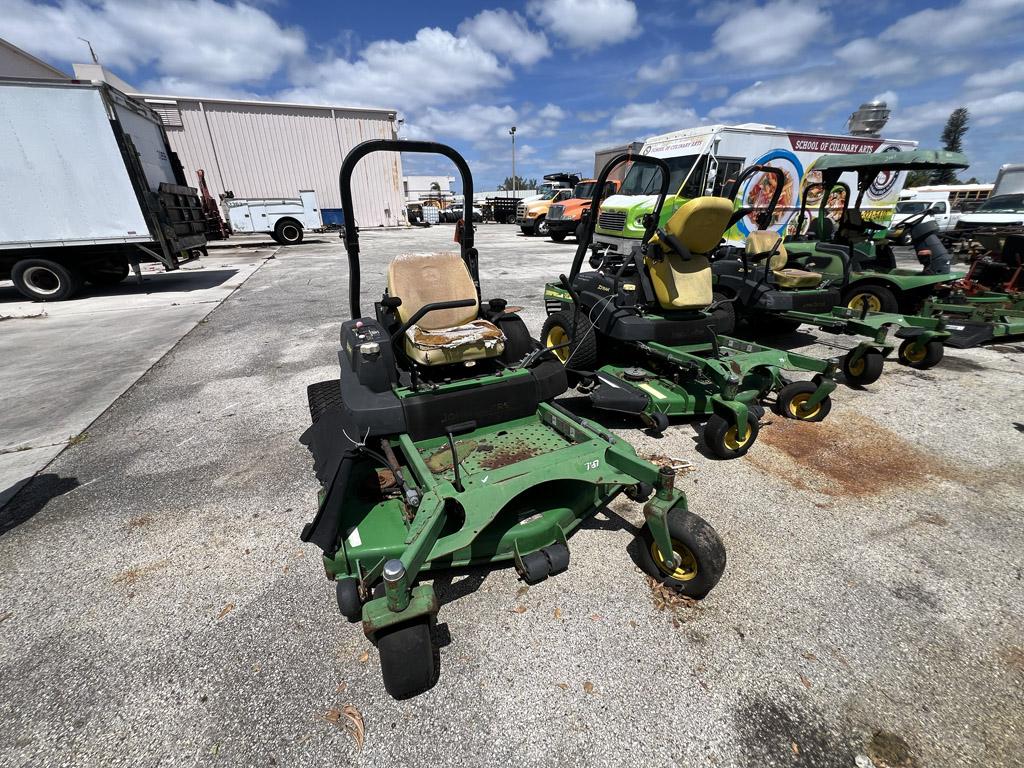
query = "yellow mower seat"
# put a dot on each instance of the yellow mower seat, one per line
(686, 283)
(444, 336)
(762, 242)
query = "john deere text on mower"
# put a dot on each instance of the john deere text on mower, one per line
(643, 319)
(755, 283)
(438, 447)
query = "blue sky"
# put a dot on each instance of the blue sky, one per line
(572, 75)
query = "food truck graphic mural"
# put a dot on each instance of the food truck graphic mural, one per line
(708, 160)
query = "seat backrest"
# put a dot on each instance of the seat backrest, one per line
(699, 225)
(761, 242)
(423, 278)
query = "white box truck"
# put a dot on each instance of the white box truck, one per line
(89, 188)
(707, 160)
(284, 219)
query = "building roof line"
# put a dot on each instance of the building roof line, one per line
(264, 103)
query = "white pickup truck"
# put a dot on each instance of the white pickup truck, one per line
(935, 202)
(1005, 206)
(284, 219)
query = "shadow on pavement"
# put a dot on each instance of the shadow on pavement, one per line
(162, 282)
(36, 494)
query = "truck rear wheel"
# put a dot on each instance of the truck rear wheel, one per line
(288, 232)
(45, 280)
(558, 236)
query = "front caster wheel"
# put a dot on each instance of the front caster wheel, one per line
(791, 402)
(865, 369)
(349, 603)
(921, 356)
(722, 438)
(698, 550)
(406, 658)
(658, 423)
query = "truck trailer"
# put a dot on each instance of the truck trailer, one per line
(90, 189)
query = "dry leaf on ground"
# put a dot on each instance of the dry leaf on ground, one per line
(588, 687)
(558, 613)
(226, 610)
(364, 657)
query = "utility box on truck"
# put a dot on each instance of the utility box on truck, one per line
(90, 187)
(284, 219)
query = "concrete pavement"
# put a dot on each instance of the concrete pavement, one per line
(157, 607)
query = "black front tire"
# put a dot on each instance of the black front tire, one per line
(790, 398)
(581, 354)
(406, 658)
(700, 548)
(558, 236)
(722, 437)
(864, 370)
(288, 232)
(911, 353)
(45, 280)
(540, 226)
(349, 602)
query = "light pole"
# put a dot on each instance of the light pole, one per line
(512, 133)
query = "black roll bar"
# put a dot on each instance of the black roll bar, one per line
(350, 234)
(764, 217)
(595, 204)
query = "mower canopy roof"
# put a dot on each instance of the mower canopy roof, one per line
(913, 160)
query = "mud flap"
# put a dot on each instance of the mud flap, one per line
(614, 394)
(964, 334)
(333, 458)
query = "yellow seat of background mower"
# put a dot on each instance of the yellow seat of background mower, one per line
(761, 242)
(444, 336)
(699, 225)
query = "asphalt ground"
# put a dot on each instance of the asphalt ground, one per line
(65, 362)
(158, 608)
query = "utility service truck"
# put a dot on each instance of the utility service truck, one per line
(708, 161)
(90, 189)
(284, 219)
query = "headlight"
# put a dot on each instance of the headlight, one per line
(639, 221)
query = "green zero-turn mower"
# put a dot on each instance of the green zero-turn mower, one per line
(635, 333)
(439, 447)
(858, 253)
(755, 284)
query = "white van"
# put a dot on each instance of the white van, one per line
(1005, 206)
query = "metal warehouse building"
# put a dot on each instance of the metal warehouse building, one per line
(268, 149)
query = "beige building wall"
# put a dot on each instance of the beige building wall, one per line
(263, 149)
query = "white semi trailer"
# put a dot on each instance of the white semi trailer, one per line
(90, 188)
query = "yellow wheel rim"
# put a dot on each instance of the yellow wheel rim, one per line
(797, 410)
(857, 302)
(914, 353)
(685, 570)
(556, 337)
(732, 440)
(856, 368)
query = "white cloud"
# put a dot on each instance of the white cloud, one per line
(1011, 74)
(891, 99)
(970, 21)
(747, 34)
(653, 116)
(507, 34)
(985, 111)
(792, 89)
(662, 71)
(587, 24)
(683, 90)
(198, 40)
(551, 112)
(472, 123)
(433, 68)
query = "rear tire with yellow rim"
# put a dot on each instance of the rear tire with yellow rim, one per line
(722, 436)
(581, 352)
(697, 549)
(877, 297)
(791, 401)
(921, 356)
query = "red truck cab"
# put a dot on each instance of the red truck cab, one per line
(564, 218)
